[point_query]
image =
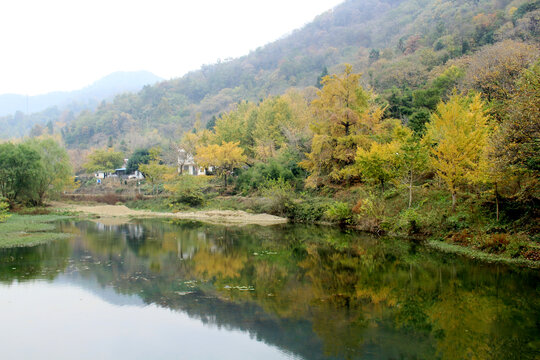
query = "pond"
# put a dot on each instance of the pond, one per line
(156, 289)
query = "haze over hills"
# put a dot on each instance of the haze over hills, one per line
(397, 44)
(88, 97)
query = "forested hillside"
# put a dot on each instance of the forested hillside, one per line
(401, 46)
(19, 113)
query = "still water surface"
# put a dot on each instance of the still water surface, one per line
(152, 289)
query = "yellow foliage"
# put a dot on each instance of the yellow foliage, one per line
(459, 133)
(345, 119)
(210, 264)
(224, 158)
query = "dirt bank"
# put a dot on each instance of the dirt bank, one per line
(211, 216)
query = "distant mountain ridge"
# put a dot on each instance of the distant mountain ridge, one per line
(400, 46)
(85, 98)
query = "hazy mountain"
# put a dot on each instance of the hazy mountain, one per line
(88, 97)
(399, 45)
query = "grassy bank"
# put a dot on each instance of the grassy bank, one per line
(480, 255)
(29, 230)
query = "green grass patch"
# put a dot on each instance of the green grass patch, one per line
(480, 255)
(29, 230)
(154, 204)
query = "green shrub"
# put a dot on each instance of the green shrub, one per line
(516, 247)
(371, 214)
(340, 213)
(188, 190)
(4, 207)
(408, 221)
(307, 211)
(280, 194)
(283, 166)
(257, 176)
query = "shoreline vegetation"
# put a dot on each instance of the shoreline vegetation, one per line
(26, 230)
(30, 230)
(218, 216)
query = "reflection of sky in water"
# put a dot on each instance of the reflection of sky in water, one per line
(156, 290)
(58, 321)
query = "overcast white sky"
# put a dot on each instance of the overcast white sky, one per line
(68, 44)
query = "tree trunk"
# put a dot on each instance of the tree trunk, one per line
(410, 189)
(497, 201)
(454, 195)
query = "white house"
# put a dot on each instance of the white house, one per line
(136, 175)
(187, 165)
(100, 175)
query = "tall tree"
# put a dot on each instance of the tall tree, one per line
(458, 132)
(412, 158)
(344, 118)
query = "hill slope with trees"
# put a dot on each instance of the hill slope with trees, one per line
(19, 113)
(400, 45)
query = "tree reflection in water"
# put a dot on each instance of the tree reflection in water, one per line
(313, 291)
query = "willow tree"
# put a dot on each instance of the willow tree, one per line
(343, 119)
(459, 132)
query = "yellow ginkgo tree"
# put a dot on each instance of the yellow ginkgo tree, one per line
(344, 118)
(458, 133)
(224, 158)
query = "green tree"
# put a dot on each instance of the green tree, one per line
(412, 159)
(139, 157)
(104, 160)
(155, 172)
(19, 167)
(55, 168)
(273, 115)
(237, 126)
(324, 73)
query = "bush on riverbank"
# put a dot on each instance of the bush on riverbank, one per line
(4, 207)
